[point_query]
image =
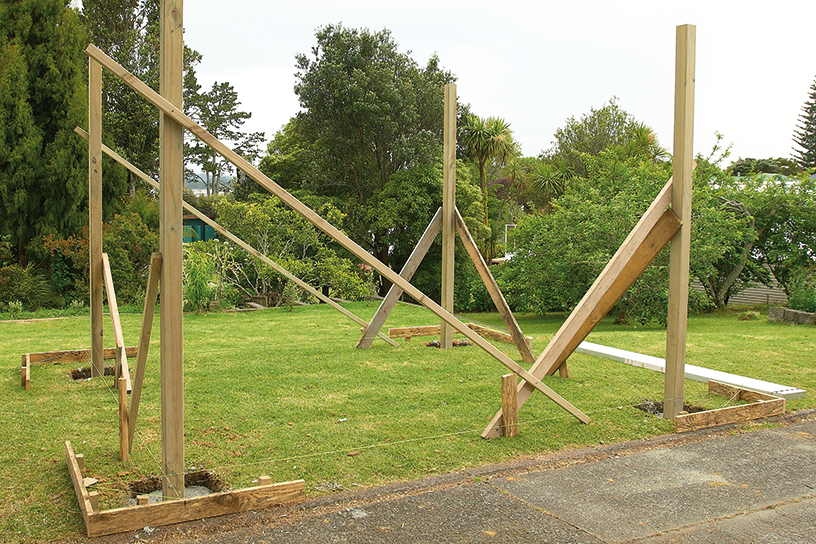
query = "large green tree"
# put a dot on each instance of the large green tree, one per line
(592, 133)
(43, 168)
(805, 134)
(369, 112)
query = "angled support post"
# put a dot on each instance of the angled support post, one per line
(394, 293)
(496, 295)
(144, 343)
(122, 370)
(651, 234)
(683, 166)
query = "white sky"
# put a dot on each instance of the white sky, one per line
(536, 63)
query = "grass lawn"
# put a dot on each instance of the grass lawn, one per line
(285, 393)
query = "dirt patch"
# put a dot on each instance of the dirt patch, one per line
(656, 407)
(456, 343)
(203, 478)
(85, 373)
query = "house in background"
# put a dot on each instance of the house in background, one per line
(196, 230)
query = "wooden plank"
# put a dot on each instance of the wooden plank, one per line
(119, 339)
(407, 272)
(682, 168)
(169, 110)
(646, 240)
(493, 334)
(563, 369)
(240, 243)
(171, 168)
(510, 416)
(75, 472)
(738, 393)
(75, 356)
(733, 414)
(410, 332)
(692, 372)
(124, 449)
(148, 313)
(493, 290)
(164, 513)
(448, 210)
(95, 214)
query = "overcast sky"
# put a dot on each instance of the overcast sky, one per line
(537, 63)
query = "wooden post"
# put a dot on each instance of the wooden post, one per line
(124, 449)
(683, 165)
(171, 166)
(121, 355)
(509, 387)
(81, 463)
(93, 496)
(26, 374)
(142, 500)
(264, 480)
(448, 211)
(95, 213)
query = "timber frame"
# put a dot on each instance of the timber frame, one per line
(760, 406)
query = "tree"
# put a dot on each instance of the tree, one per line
(369, 112)
(489, 139)
(600, 129)
(43, 180)
(805, 134)
(128, 32)
(217, 111)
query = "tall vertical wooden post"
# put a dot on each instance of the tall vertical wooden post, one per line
(448, 211)
(681, 205)
(171, 165)
(95, 214)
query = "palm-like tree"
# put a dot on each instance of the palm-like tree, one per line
(488, 139)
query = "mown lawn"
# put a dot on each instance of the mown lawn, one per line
(285, 393)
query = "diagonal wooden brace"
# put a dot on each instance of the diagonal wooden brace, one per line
(310, 215)
(654, 230)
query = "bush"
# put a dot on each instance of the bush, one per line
(803, 292)
(25, 285)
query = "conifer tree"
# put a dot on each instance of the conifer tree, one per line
(805, 134)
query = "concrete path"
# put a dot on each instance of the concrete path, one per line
(703, 487)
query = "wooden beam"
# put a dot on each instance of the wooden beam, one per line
(124, 448)
(74, 356)
(121, 356)
(495, 293)
(95, 213)
(171, 111)
(240, 243)
(510, 416)
(682, 168)
(407, 272)
(498, 336)
(410, 332)
(76, 474)
(171, 168)
(655, 228)
(144, 343)
(159, 514)
(448, 210)
(733, 414)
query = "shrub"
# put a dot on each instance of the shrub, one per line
(24, 285)
(803, 292)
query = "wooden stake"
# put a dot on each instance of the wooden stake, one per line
(171, 166)
(264, 480)
(681, 205)
(448, 211)
(171, 111)
(80, 459)
(563, 370)
(510, 421)
(26, 377)
(93, 497)
(95, 213)
(144, 343)
(124, 449)
(142, 500)
(407, 272)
